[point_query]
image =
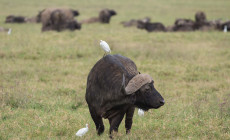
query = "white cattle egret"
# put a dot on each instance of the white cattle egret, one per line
(9, 31)
(141, 112)
(105, 47)
(225, 28)
(82, 131)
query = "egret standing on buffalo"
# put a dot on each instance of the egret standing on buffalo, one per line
(105, 47)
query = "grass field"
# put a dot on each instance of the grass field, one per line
(43, 75)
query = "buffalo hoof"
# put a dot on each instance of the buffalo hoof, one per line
(100, 130)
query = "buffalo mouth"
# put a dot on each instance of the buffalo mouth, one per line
(157, 107)
(146, 108)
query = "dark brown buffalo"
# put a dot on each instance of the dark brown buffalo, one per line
(200, 17)
(115, 88)
(225, 24)
(104, 17)
(59, 19)
(201, 22)
(15, 19)
(184, 25)
(151, 27)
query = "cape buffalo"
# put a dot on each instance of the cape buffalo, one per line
(15, 19)
(104, 17)
(151, 27)
(201, 23)
(227, 24)
(115, 88)
(200, 16)
(59, 19)
(184, 25)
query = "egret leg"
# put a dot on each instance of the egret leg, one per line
(105, 54)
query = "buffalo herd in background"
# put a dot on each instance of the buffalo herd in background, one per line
(60, 19)
(200, 23)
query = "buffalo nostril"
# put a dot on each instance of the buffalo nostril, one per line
(162, 102)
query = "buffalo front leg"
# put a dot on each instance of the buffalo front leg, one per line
(115, 122)
(129, 119)
(98, 121)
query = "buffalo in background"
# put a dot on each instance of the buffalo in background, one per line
(151, 27)
(225, 24)
(181, 24)
(15, 19)
(104, 17)
(59, 19)
(23, 19)
(134, 22)
(146, 24)
(201, 23)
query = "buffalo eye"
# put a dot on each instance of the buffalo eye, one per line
(147, 88)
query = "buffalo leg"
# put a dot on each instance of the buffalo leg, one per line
(115, 122)
(98, 122)
(129, 119)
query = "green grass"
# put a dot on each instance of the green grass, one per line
(43, 75)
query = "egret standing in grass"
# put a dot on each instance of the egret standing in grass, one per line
(225, 28)
(105, 47)
(82, 131)
(9, 31)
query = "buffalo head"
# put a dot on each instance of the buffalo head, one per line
(112, 12)
(200, 17)
(141, 24)
(75, 12)
(142, 87)
(105, 15)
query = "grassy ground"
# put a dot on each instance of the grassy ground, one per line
(43, 75)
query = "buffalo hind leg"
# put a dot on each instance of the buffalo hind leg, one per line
(129, 119)
(115, 122)
(98, 121)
